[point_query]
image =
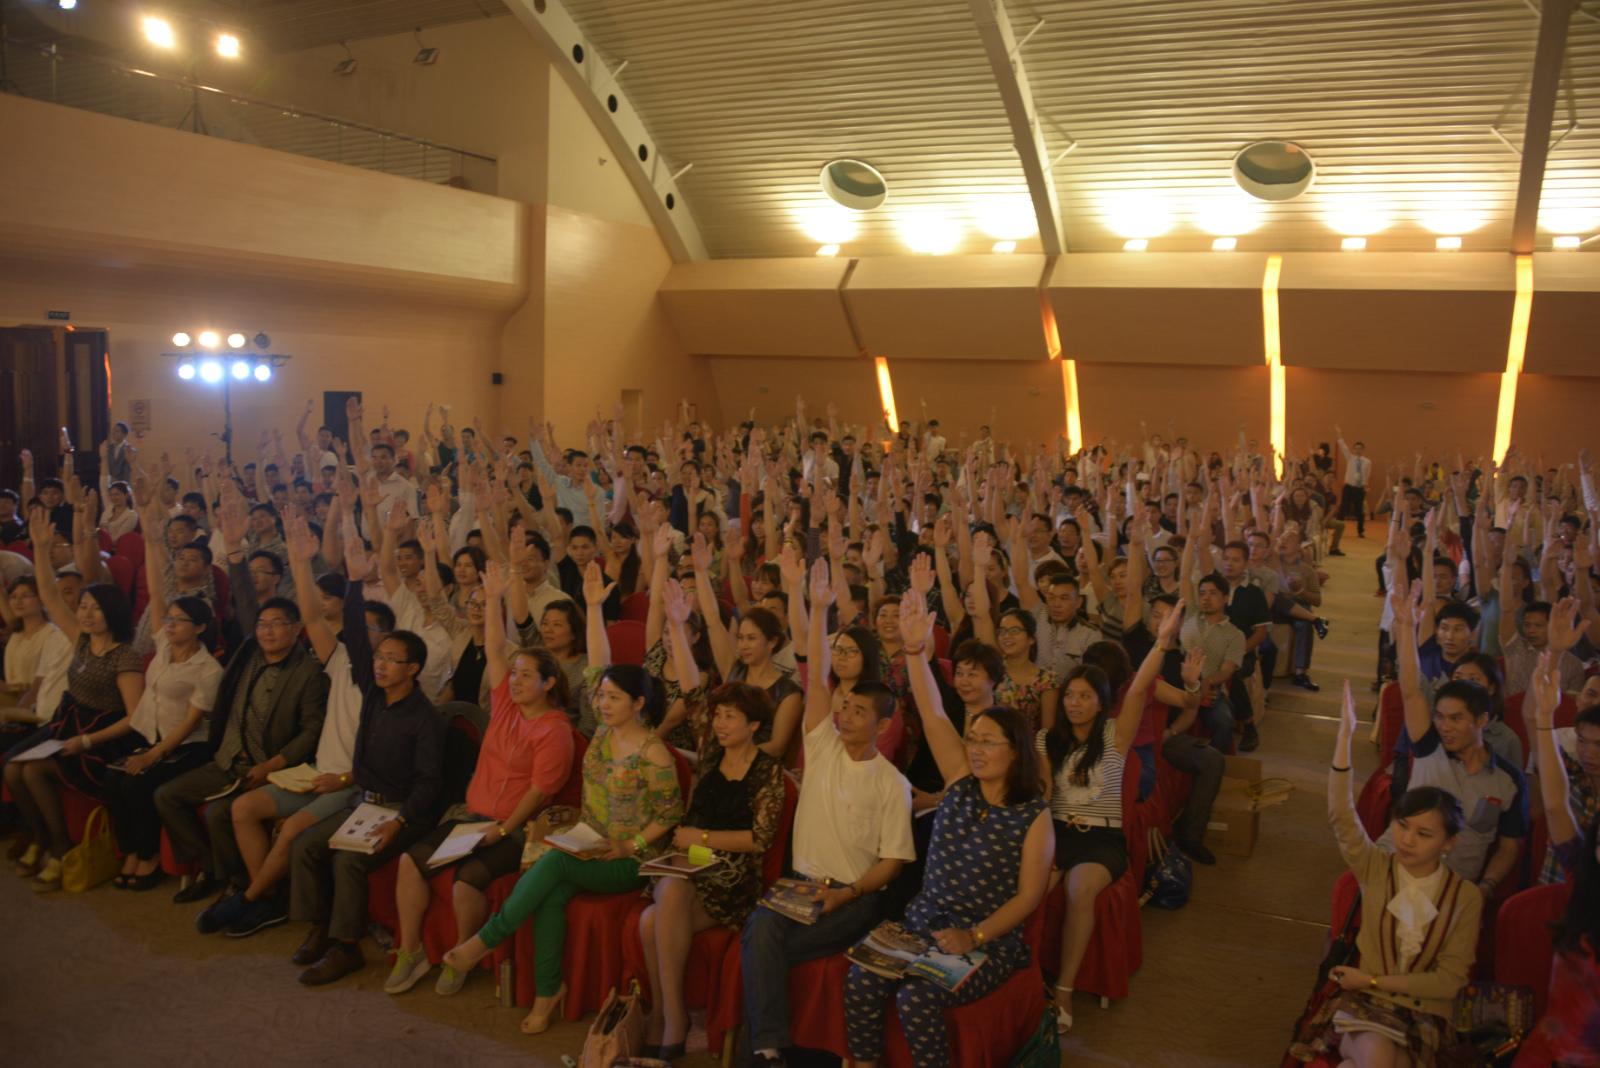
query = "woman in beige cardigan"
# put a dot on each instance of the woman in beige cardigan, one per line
(1419, 929)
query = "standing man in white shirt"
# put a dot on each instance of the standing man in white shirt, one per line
(1357, 475)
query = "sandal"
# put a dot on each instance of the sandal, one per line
(1063, 1000)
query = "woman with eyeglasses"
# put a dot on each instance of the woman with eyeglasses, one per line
(1030, 689)
(105, 682)
(988, 866)
(1080, 762)
(180, 689)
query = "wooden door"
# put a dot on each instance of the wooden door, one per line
(30, 403)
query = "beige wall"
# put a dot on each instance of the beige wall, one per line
(768, 385)
(1395, 413)
(1205, 404)
(1556, 417)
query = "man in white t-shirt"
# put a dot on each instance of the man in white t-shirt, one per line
(852, 831)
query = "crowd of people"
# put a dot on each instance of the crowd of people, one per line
(243, 656)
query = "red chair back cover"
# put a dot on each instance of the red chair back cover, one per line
(627, 641)
(1524, 948)
(131, 545)
(636, 607)
(1391, 720)
(571, 792)
(123, 573)
(1373, 806)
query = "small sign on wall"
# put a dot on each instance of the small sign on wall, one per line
(139, 416)
(58, 316)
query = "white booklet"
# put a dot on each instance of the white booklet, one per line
(582, 841)
(463, 839)
(359, 832)
(296, 780)
(47, 748)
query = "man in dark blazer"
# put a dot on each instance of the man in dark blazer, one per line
(268, 716)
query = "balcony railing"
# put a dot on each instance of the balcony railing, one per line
(46, 72)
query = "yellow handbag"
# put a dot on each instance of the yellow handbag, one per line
(93, 860)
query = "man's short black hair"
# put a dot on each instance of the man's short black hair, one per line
(581, 531)
(270, 557)
(11, 495)
(416, 648)
(282, 604)
(382, 613)
(52, 483)
(1457, 610)
(410, 545)
(1214, 579)
(197, 546)
(383, 445)
(537, 541)
(194, 497)
(1475, 697)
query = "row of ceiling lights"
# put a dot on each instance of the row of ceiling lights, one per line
(1139, 219)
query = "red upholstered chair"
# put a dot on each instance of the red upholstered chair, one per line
(131, 545)
(123, 573)
(1372, 807)
(1523, 946)
(627, 641)
(106, 544)
(76, 807)
(816, 1003)
(21, 548)
(597, 926)
(941, 642)
(1391, 721)
(1515, 721)
(1345, 892)
(1566, 711)
(636, 606)
(170, 862)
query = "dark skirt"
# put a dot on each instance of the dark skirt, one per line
(1104, 846)
(1424, 1033)
(86, 772)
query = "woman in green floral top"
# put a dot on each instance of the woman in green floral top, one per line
(630, 796)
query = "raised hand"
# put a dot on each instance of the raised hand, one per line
(916, 624)
(982, 550)
(661, 538)
(303, 545)
(358, 562)
(595, 587)
(700, 553)
(677, 602)
(517, 546)
(821, 585)
(1347, 716)
(1167, 635)
(792, 567)
(495, 580)
(922, 575)
(1194, 668)
(1566, 627)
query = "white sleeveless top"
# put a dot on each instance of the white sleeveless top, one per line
(1102, 797)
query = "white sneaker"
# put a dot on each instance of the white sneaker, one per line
(49, 877)
(1063, 1009)
(408, 968)
(450, 981)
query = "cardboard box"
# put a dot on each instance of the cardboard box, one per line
(1235, 820)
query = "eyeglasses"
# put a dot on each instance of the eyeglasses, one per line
(382, 659)
(846, 650)
(173, 621)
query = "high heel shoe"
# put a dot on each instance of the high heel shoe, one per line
(537, 1023)
(1063, 1009)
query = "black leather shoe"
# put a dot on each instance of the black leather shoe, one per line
(314, 948)
(1304, 682)
(203, 887)
(340, 960)
(1197, 852)
(1250, 741)
(1320, 625)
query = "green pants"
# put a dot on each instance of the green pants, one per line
(543, 892)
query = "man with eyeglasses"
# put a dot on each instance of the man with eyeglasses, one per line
(268, 716)
(398, 765)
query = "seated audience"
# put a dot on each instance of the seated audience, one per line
(852, 832)
(36, 659)
(1419, 927)
(1569, 1031)
(630, 798)
(987, 869)
(523, 762)
(105, 682)
(734, 811)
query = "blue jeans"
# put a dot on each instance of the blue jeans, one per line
(772, 944)
(1218, 718)
(1302, 645)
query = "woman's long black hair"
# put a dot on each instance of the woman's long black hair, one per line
(1060, 742)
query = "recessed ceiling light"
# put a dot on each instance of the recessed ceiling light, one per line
(1005, 246)
(828, 250)
(1137, 244)
(158, 31)
(1357, 216)
(1138, 214)
(1567, 242)
(1006, 218)
(227, 46)
(1353, 244)
(1224, 244)
(1448, 244)
(1227, 215)
(929, 232)
(828, 224)
(1450, 221)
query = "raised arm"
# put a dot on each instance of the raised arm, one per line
(495, 581)
(595, 592)
(302, 550)
(42, 535)
(388, 567)
(819, 700)
(982, 610)
(1508, 608)
(949, 591)
(155, 560)
(1347, 829)
(1132, 712)
(916, 629)
(1544, 693)
(722, 648)
(1417, 717)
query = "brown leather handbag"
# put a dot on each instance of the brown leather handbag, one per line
(617, 1033)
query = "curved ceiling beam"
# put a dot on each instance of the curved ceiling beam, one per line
(574, 55)
(1011, 77)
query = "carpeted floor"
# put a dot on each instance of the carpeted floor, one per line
(118, 978)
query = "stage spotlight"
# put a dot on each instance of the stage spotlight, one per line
(227, 46)
(186, 370)
(211, 371)
(236, 340)
(66, 5)
(208, 339)
(263, 372)
(241, 369)
(158, 31)
(180, 340)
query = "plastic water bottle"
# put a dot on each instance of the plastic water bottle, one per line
(508, 995)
